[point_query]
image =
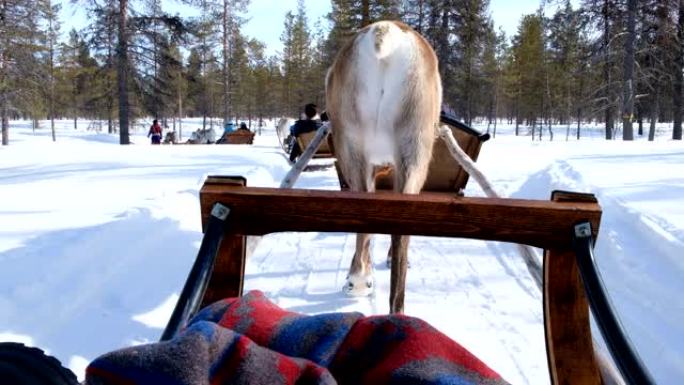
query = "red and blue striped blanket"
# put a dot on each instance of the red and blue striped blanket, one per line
(250, 340)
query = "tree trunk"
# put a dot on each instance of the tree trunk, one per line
(420, 16)
(51, 64)
(541, 129)
(225, 69)
(496, 104)
(5, 120)
(628, 73)
(74, 101)
(365, 13)
(517, 113)
(654, 116)
(606, 71)
(180, 110)
(110, 87)
(534, 126)
(678, 68)
(52, 122)
(579, 120)
(122, 73)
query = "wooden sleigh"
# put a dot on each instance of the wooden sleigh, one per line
(325, 150)
(564, 226)
(237, 137)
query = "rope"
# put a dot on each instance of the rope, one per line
(528, 254)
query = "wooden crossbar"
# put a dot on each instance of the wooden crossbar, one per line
(259, 211)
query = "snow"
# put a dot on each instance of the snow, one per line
(97, 239)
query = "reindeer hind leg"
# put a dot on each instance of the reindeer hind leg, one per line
(358, 174)
(411, 163)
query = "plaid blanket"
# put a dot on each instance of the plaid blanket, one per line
(250, 340)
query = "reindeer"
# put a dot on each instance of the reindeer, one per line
(383, 97)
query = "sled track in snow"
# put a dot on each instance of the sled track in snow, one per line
(639, 257)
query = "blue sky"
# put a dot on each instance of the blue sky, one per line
(266, 16)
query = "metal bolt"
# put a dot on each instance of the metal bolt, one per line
(583, 230)
(220, 211)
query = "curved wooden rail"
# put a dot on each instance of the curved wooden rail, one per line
(545, 224)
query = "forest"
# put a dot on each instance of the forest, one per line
(617, 63)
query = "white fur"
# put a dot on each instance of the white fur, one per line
(357, 285)
(382, 75)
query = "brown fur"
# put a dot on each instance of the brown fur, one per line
(414, 132)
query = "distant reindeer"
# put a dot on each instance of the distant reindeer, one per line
(383, 97)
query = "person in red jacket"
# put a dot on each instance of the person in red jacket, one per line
(155, 132)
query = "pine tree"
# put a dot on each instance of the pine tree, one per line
(258, 88)
(195, 104)
(231, 20)
(415, 14)
(102, 38)
(606, 17)
(122, 67)
(21, 78)
(528, 47)
(177, 83)
(568, 62)
(471, 28)
(347, 16)
(74, 55)
(49, 13)
(655, 48)
(205, 38)
(136, 45)
(240, 76)
(297, 58)
(490, 74)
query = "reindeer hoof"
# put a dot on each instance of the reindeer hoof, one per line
(358, 286)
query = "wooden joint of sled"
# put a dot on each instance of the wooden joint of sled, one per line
(545, 224)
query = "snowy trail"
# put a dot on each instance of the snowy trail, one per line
(640, 259)
(98, 239)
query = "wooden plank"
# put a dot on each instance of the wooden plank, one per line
(566, 322)
(259, 211)
(569, 345)
(228, 275)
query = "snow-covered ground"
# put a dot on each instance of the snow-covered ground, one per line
(96, 240)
